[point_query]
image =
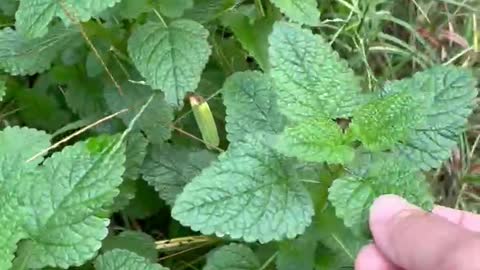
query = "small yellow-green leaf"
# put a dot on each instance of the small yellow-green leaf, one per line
(205, 121)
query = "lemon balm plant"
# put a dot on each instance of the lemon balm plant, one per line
(273, 166)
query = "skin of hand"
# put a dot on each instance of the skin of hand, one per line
(408, 238)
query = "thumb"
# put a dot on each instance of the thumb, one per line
(416, 240)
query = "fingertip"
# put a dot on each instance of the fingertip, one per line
(370, 258)
(383, 209)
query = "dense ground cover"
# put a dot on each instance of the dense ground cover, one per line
(228, 134)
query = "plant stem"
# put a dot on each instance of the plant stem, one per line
(259, 6)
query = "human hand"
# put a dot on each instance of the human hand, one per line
(408, 238)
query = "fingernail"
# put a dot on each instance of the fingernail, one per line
(387, 206)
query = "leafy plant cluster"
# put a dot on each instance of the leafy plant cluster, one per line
(236, 118)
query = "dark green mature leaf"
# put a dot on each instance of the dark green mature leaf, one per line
(156, 119)
(384, 122)
(119, 259)
(136, 150)
(310, 78)
(3, 89)
(298, 254)
(145, 203)
(250, 193)
(85, 97)
(251, 105)
(33, 17)
(232, 257)
(174, 8)
(64, 195)
(316, 140)
(447, 95)
(252, 36)
(40, 110)
(171, 58)
(169, 168)
(138, 242)
(205, 11)
(130, 9)
(353, 194)
(16, 146)
(20, 56)
(300, 11)
(8, 7)
(332, 232)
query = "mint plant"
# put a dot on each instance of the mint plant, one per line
(104, 164)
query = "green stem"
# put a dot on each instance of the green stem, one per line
(269, 261)
(259, 6)
(160, 17)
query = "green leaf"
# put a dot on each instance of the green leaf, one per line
(300, 11)
(298, 254)
(85, 97)
(126, 193)
(20, 56)
(131, 9)
(447, 95)
(65, 193)
(205, 11)
(252, 36)
(250, 193)
(16, 146)
(137, 242)
(232, 257)
(169, 168)
(40, 110)
(145, 203)
(384, 122)
(3, 89)
(316, 140)
(332, 232)
(155, 120)
(136, 150)
(171, 58)
(251, 105)
(8, 7)
(174, 8)
(310, 78)
(33, 18)
(119, 259)
(353, 194)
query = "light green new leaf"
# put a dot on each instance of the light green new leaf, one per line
(3, 89)
(155, 120)
(65, 194)
(447, 95)
(384, 122)
(20, 56)
(316, 140)
(173, 8)
(300, 11)
(252, 36)
(136, 150)
(232, 257)
(309, 77)
(34, 16)
(119, 259)
(169, 168)
(138, 242)
(352, 195)
(171, 58)
(251, 105)
(250, 193)
(16, 146)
